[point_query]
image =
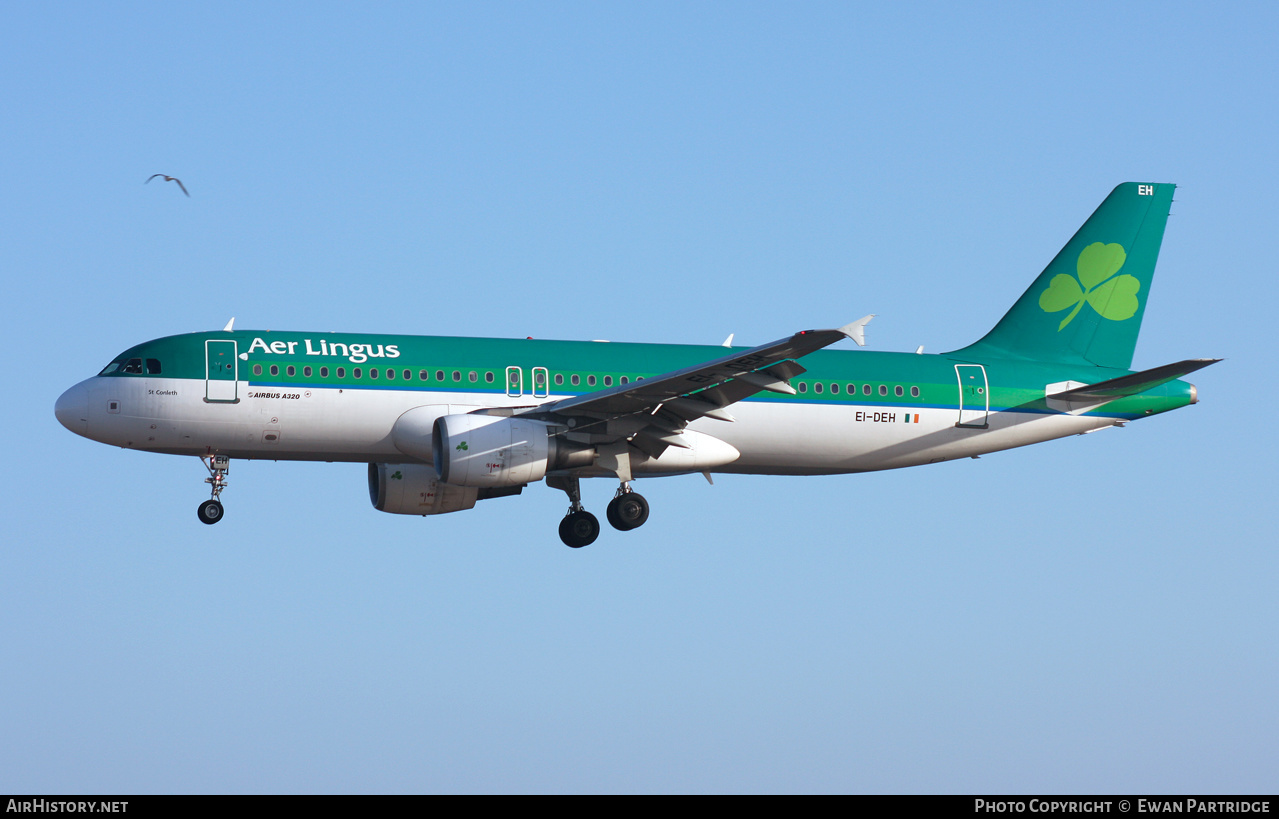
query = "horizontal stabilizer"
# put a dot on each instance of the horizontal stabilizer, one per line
(1133, 384)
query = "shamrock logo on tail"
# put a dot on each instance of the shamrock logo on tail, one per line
(1113, 297)
(462, 447)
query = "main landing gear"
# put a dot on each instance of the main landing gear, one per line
(210, 511)
(579, 528)
(628, 510)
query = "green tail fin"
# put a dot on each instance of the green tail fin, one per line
(1086, 307)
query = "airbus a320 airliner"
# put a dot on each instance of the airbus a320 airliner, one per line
(446, 422)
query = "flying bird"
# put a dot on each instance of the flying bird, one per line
(169, 179)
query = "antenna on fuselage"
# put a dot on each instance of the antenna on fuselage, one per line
(229, 325)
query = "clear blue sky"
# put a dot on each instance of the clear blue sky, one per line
(1094, 614)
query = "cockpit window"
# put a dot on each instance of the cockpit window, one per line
(133, 365)
(114, 366)
(153, 366)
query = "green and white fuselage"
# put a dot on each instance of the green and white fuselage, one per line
(874, 410)
(444, 421)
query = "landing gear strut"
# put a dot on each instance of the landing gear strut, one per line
(579, 527)
(210, 511)
(627, 510)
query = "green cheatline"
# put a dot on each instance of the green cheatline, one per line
(1113, 297)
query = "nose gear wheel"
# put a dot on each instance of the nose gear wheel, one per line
(211, 511)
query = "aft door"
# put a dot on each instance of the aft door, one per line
(221, 372)
(974, 395)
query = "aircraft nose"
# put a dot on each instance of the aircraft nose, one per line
(72, 409)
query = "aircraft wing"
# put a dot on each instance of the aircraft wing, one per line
(655, 410)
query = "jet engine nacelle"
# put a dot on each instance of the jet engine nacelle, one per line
(485, 450)
(412, 431)
(416, 489)
(488, 450)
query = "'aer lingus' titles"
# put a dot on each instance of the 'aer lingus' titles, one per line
(355, 353)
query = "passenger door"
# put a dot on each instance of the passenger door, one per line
(221, 372)
(974, 396)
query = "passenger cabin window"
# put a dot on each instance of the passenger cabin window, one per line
(257, 369)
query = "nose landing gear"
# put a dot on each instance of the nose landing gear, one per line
(210, 511)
